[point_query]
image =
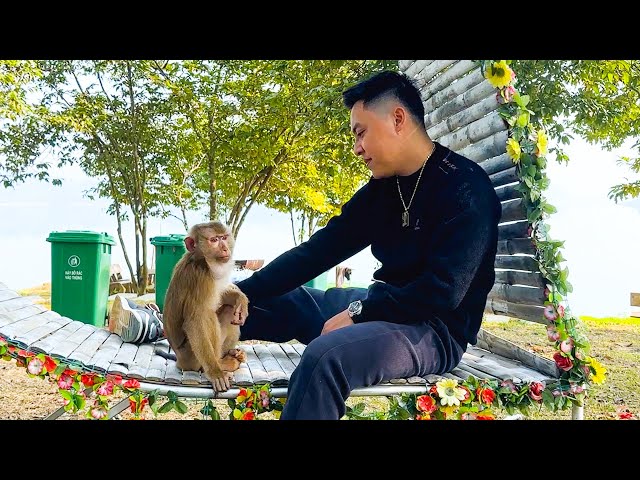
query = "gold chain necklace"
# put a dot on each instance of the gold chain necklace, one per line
(405, 214)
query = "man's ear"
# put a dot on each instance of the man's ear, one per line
(399, 117)
(190, 244)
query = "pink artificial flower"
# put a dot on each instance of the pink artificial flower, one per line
(65, 382)
(566, 345)
(552, 334)
(550, 313)
(468, 416)
(35, 366)
(560, 311)
(467, 394)
(563, 363)
(98, 412)
(535, 390)
(105, 389)
(115, 379)
(264, 398)
(509, 384)
(575, 388)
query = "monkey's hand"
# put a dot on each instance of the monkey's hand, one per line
(232, 295)
(221, 383)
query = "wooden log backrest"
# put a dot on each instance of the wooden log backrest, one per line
(461, 112)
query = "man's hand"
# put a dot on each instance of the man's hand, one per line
(340, 320)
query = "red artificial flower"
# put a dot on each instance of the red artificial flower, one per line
(70, 372)
(11, 348)
(115, 379)
(131, 384)
(486, 395)
(88, 379)
(433, 390)
(426, 403)
(563, 363)
(535, 390)
(133, 404)
(49, 364)
(26, 353)
(248, 415)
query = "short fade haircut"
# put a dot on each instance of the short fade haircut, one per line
(384, 85)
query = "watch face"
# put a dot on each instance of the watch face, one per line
(355, 308)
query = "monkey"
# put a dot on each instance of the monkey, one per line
(203, 310)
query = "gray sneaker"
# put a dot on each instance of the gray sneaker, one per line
(126, 321)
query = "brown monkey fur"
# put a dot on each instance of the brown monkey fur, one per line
(197, 318)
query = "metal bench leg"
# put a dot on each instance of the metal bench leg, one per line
(118, 408)
(577, 413)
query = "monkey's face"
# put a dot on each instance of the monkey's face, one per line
(217, 245)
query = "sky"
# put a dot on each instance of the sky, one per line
(601, 237)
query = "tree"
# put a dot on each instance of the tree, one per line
(599, 100)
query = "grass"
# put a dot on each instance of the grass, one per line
(615, 342)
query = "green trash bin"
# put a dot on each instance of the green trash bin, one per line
(80, 265)
(319, 282)
(169, 249)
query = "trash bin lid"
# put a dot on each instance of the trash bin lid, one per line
(174, 239)
(81, 236)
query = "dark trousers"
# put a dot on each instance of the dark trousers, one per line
(352, 357)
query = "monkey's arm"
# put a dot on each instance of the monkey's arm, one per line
(203, 332)
(233, 296)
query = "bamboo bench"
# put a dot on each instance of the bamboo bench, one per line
(31, 327)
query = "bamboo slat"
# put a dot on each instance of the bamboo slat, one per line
(123, 359)
(474, 132)
(465, 368)
(16, 320)
(14, 304)
(404, 64)
(517, 294)
(38, 338)
(505, 348)
(416, 67)
(276, 376)
(497, 164)
(454, 73)
(489, 147)
(189, 377)
(517, 262)
(258, 373)
(291, 352)
(7, 294)
(465, 117)
(530, 313)
(491, 362)
(507, 192)
(513, 230)
(504, 177)
(52, 338)
(299, 347)
(512, 211)
(158, 367)
(101, 360)
(283, 359)
(64, 348)
(141, 361)
(88, 348)
(466, 99)
(173, 375)
(516, 245)
(459, 87)
(428, 73)
(242, 376)
(512, 277)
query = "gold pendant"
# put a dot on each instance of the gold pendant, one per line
(405, 219)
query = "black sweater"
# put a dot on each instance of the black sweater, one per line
(441, 266)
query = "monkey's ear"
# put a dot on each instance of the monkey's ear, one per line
(190, 244)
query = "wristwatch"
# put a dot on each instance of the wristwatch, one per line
(355, 308)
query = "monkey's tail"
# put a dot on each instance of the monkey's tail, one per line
(167, 355)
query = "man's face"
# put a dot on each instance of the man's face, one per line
(376, 138)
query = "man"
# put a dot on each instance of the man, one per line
(431, 219)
